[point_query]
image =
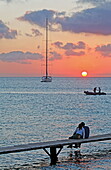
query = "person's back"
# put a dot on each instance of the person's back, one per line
(87, 131)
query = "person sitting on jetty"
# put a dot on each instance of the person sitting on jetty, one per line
(87, 130)
(81, 131)
(78, 134)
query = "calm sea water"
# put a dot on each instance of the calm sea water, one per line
(33, 111)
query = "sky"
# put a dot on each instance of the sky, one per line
(79, 38)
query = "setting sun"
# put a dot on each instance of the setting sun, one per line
(84, 73)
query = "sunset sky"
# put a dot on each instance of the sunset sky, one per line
(79, 37)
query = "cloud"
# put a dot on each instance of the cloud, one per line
(6, 32)
(94, 2)
(28, 35)
(58, 44)
(8, 1)
(69, 46)
(105, 50)
(20, 57)
(36, 32)
(39, 18)
(55, 56)
(94, 20)
(74, 53)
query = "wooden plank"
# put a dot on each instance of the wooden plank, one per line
(57, 143)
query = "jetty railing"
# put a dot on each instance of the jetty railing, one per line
(53, 145)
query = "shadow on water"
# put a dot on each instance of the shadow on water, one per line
(100, 159)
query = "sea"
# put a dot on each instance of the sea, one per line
(34, 111)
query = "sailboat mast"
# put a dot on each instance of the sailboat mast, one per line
(46, 47)
(46, 78)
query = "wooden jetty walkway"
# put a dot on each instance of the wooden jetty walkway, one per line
(53, 145)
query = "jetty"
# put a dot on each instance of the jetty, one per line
(53, 145)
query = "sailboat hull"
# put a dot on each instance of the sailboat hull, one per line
(46, 79)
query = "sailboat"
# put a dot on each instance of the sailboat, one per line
(46, 78)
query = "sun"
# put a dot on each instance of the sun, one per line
(84, 73)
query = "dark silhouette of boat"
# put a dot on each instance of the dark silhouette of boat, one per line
(94, 93)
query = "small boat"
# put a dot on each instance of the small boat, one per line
(46, 78)
(94, 93)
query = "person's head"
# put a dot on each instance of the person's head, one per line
(83, 124)
(80, 126)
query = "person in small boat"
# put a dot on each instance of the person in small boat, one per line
(99, 89)
(94, 89)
